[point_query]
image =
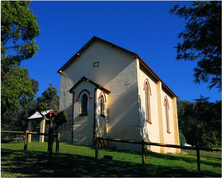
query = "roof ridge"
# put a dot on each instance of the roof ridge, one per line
(60, 71)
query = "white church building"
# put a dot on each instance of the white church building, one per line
(109, 91)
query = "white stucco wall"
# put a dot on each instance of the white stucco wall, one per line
(102, 121)
(83, 125)
(168, 137)
(117, 71)
(123, 104)
(150, 131)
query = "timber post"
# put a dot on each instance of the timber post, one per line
(97, 148)
(143, 152)
(42, 129)
(52, 136)
(26, 140)
(29, 129)
(50, 140)
(198, 158)
(57, 143)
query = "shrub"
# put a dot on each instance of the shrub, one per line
(182, 138)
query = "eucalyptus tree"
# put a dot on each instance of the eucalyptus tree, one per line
(50, 97)
(18, 31)
(201, 40)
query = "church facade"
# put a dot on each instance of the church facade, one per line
(108, 91)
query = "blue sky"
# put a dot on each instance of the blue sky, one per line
(144, 27)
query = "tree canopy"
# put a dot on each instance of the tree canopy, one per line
(15, 118)
(50, 97)
(200, 121)
(201, 40)
(50, 100)
(18, 30)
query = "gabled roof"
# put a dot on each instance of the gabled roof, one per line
(84, 78)
(145, 66)
(37, 115)
(83, 48)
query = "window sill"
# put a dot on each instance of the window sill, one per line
(168, 132)
(83, 114)
(148, 121)
(102, 115)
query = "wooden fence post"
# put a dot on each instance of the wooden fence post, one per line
(50, 135)
(57, 143)
(97, 148)
(26, 140)
(198, 158)
(143, 152)
(50, 141)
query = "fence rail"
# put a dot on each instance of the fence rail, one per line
(16, 132)
(34, 133)
(197, 148)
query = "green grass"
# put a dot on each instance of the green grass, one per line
(74, 160)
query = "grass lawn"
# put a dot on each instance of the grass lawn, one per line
(74, 160)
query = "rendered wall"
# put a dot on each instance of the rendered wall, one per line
(157, 130)
(83, 125)
(101, 120)
(112, 61)
(176, 125)
(173, 136)
(150, 131)
(117, 72)
(123, 107)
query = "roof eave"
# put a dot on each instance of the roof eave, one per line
(61, 70)
(87, 79)
(155, 76)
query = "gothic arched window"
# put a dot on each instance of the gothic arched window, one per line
(167, 114)
(84, 103)
(147, 102)
(102, 105)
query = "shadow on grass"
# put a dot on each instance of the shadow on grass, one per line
(12, 141)
(185, 158)
(167, 157)
(210, 157)
(34, 164)
(206, 154)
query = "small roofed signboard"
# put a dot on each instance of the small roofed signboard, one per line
(37, 115)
